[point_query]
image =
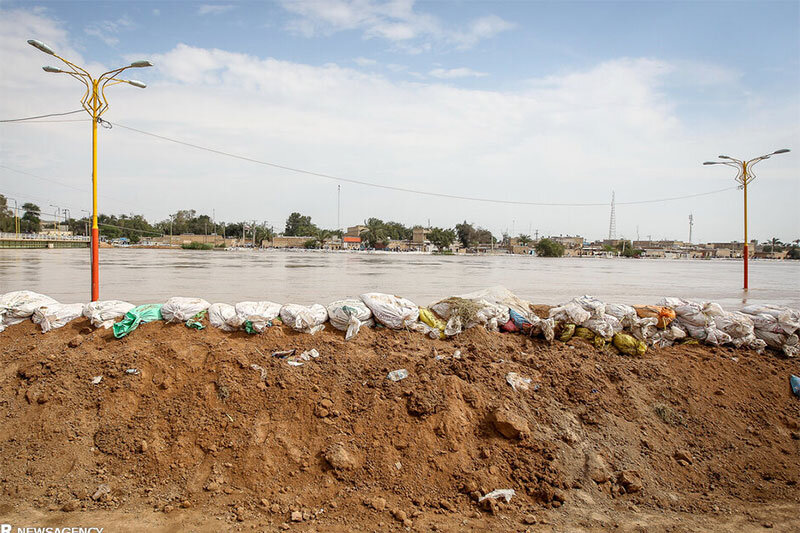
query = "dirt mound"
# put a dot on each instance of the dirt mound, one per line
(211, 423)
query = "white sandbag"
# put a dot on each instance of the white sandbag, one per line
(544, 326)
(104, 314)
(306, 319)
(349, 315)
(595, 307)
(501, 296)
(643, 329)
(425, 329)
(605, 326)
(766, 322)
(392, 311)
(462, 314)
(787, 318)
(788, 344)
(736, 324)
(16, 306)
(688, 313)
(56, 315)
(569, 313)
(626, 314)
(179, 309)
(224, 317)
(667, 336)
(259, 314)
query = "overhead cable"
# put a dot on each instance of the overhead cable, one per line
(43, 116)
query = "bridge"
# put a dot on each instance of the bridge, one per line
(42, 240)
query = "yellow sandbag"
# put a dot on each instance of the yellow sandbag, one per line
(589, 335)
(629, 345)
(429, 317)
(568, 330)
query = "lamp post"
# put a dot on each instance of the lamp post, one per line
(744, 176)
(56, 214)
(95, 103)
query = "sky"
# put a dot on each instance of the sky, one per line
(528, 102)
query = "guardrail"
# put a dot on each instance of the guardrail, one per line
(42, 237)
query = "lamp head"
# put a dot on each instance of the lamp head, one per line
(41, 46)
(781, 151)
(137, 84)
(51, 69)
(712, 163)
(141, 63)
(724, 157)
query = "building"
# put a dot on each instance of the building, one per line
(188, 238)
(355, 231)
(280, 241)
(568, 242)
(350, 242)
(419, 235)
(52, 230)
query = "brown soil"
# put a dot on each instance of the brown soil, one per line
(685, 438)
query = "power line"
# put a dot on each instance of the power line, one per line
(42, 116)
(402, 189)
(53, 121)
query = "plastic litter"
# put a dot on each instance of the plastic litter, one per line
(794, 382)
(517, 382)
(196, 321)
(299, 360)
(133, 371)
(224, 317)
(56, 315)
(103, 314)
(261, 369)
(16, 306)
(304, 319)
(629, 345)
(138, 315)
(96, 380)
(255, 317)
(349, 315)
(392, 311)
(180, 309)
(496, 494)
(397, 375)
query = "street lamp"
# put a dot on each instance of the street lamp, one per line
(744, 176)
(95, 103)
(56, 214)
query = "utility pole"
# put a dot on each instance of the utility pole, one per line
(612, 223)
(691, 223)
(339, 207)
(254, 234)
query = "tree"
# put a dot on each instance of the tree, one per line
(441, 238)
(524, 240)
(298, 225)
(31, 217)
(6, 215)
(775, 245)
(466, 234)
(374, 233)
(549, 248)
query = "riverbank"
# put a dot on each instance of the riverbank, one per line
(688, 437)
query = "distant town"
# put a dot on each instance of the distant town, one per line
(186, 229)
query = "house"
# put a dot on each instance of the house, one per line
(280, 241)
(350, 242)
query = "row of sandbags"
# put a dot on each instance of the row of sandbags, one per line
(497, 308)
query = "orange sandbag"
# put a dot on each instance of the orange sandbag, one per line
(665, 315)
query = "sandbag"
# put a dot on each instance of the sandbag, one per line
(393, 312)
(429, 318)
(56, 315)
(255, 317)
(500, 296)
(626, 314)
(595, 307)
(629, 345)
(104, 314)
(605, 326)
(664, 315)
(788, 344)
(138, 315)
(179, 309)
(462, 314)
(570, 313)
(667, 336)
(787, 319)
(16, 306)
(224, 317)
(304, 319)
(349, 315)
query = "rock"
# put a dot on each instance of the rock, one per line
(596, 468)
(683, 455)
(275, 508)
(213, 487)
(297, 516)
(400, 515)
(321, 412)
(630, 480)
(75, 341)
(326, 403)
(379, 504)
(407, 522)
(470, 486)
(142, 446)
(185, 504)
(101, 491)
(70, 506)
(529, 520)
(444, 504)
(339, 458)
(168, 508)
(508, 424)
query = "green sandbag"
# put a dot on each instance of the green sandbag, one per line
(138, 315)
(629, 345)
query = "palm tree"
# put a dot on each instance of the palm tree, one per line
(374, 233)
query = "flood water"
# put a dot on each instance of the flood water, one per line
(305, 277)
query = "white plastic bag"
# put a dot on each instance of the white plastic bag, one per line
(179, 309)
(16, 306)
(306, 319)
(224, 317)
(56, 315)
(259, 314)
(104, 314)
(392, 311)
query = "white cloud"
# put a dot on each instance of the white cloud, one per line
(107, 30)
(567, 137)
(214, 9)
(462, 72)
(396, 21)
(365, 62)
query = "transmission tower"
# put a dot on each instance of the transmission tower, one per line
(612, 224)
(691, 223)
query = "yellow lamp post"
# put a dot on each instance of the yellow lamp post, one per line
(95, 103)
(744, 176)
